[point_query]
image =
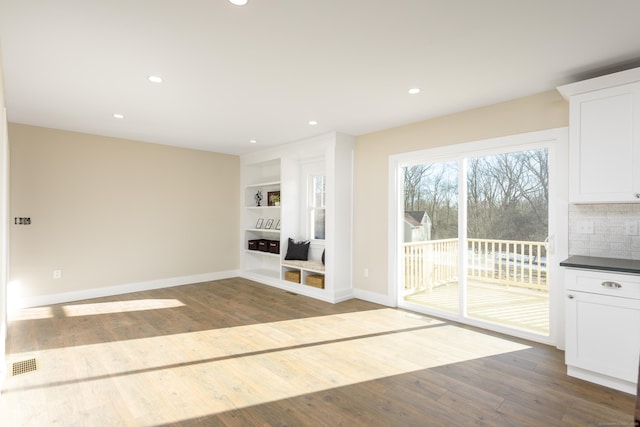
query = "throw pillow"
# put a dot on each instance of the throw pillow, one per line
(297, 250)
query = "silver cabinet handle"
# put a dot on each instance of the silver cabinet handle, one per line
(611, 285)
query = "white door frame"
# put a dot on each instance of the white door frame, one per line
(556, 141)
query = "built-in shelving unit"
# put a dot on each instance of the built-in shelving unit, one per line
(285, 169)
(260, 219)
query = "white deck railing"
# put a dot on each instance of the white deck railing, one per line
(506, 262)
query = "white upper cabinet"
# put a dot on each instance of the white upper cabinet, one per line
(604, 138)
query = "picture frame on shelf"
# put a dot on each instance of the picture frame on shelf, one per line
(278, 225)
(273, 198)
(259, 223)
(269, 224)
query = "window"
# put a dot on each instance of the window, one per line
(317, 207)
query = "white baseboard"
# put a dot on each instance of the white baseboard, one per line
(312, 292)
(296, 288)
(374, 297)
(64, 297)
(343, 295)
(108, 291)
(3, 358)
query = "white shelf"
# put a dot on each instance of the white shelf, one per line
(263, 184)
(301, 267)
(262, 207)
(268, 254)
(262, 230)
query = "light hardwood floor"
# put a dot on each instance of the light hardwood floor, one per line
(237, 353)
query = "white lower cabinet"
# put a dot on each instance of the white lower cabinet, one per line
(603, 328)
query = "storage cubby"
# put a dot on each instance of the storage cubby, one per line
(304, 269)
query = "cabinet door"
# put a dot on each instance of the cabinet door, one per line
(604, 145)
(603, 334)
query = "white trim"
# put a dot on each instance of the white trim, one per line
(394, 232)
(4, 229)
(555, 140)
(485, 147)
(342, 295)
(602, 82)
(124, 289)
(558, 248)
(374, 297)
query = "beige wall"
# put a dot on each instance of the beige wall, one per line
(111, 212)
(538, 112)
(4, 238)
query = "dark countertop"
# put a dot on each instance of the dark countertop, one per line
(607, 264)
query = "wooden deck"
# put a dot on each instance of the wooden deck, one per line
(509, 306)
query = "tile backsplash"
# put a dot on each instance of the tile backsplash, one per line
(608, 238)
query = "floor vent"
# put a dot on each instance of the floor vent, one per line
(24, 367)
(290, 293)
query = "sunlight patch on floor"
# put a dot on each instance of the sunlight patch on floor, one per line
(165, 379)
(33, 313)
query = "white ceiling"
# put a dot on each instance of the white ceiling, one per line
(262, 71)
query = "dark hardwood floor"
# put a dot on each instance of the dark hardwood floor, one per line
(237, 353)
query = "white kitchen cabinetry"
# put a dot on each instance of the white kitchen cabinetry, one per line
(604, 138)
(285, 168)
(603, 327)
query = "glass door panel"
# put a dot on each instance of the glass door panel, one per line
(507, 226)
(430, 249)
(494, 267)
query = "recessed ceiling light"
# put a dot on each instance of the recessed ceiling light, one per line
(313, 122)
(238, 2)
(252, 141)
(155, 79)
(118, 116)
(414, 90)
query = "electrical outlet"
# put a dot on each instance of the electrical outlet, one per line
(366, 272)
(585, 227)
(57, 274)
(631, 228)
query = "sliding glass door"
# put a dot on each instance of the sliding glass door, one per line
(473, 236)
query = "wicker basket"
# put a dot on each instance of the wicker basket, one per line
(315, 280)
(292, 276)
